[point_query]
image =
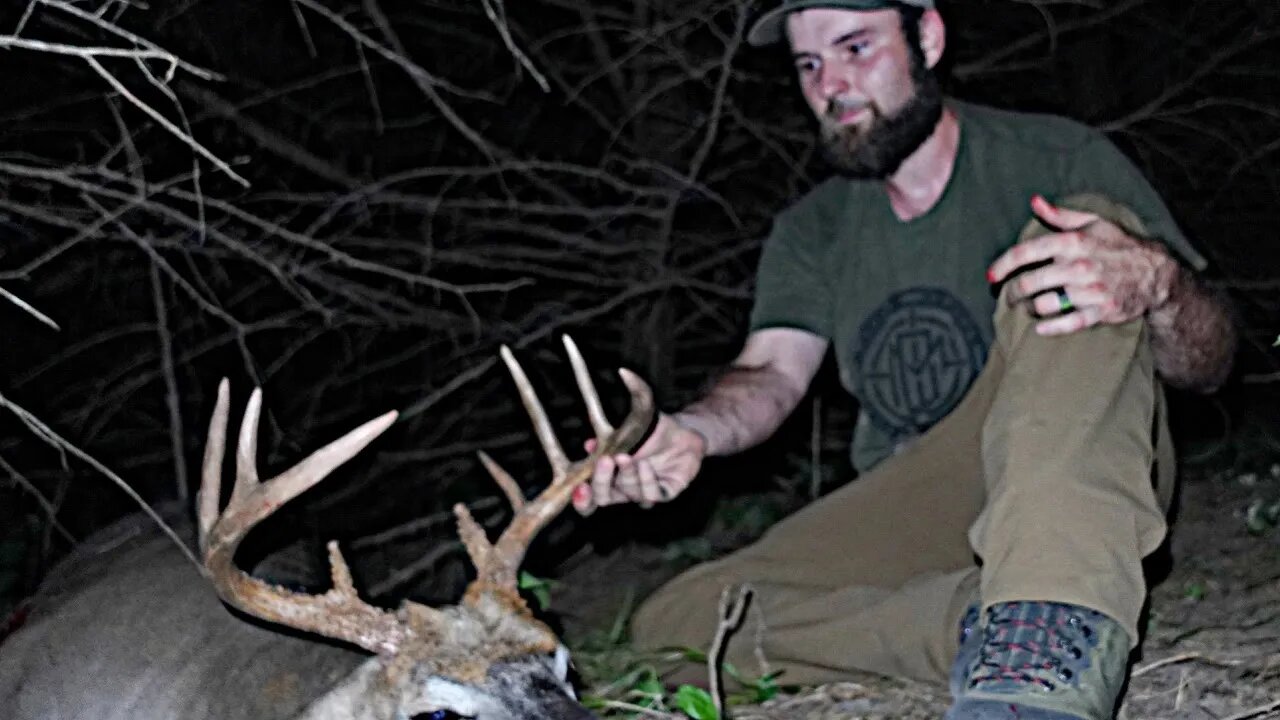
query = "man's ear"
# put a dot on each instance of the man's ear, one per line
(933, 37)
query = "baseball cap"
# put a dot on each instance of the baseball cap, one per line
(770, 27)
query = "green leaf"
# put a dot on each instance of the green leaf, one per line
(1195, 591)
(693, 654)
(761, 689)
(538, 587)
(767, 687)
(650, 686)
(696, 703)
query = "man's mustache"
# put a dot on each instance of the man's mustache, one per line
(838, 106)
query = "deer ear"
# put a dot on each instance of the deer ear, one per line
(560, 663)
(446, 699)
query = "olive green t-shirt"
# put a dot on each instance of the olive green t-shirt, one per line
(906, 305)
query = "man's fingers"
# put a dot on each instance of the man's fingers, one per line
(1055, 246)
(1060, 217)
(1074, 273)
(649, 489)
(596, 491)
(1049, 303)
(655, 473)
(1069, 323)
(583, 501)
(626, 481)
(602, 482)
(1067, 241)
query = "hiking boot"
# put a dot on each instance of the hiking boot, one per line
(1038, 661)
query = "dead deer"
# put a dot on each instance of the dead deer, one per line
(109, 652)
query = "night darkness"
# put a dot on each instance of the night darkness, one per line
(384, 192)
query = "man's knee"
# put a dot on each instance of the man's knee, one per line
(682, 612)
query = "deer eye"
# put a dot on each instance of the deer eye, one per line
(438, 715)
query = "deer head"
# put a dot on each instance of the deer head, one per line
(487, 657)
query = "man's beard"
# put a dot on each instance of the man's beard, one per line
(878, 152)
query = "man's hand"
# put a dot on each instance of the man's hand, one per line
(1108, 276)
(659, 471)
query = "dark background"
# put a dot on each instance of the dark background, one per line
(416, 197)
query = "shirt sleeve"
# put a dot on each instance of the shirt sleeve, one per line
(1101, 168)
(791, 288)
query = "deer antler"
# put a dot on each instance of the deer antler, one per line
(481, 627)
(497, 564)
(338, 613)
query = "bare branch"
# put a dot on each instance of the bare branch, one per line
(27, 308)
(171, 386)
(497, 13)
(53, 439)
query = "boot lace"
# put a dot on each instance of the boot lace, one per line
(1034, 643)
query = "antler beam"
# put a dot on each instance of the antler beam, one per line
(498, 564)
(338, 613)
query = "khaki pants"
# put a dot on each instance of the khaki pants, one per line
(1049, 481)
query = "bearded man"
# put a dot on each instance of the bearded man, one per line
(1004, 294)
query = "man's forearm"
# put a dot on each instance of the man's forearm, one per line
(742, 409)
(1193, 335)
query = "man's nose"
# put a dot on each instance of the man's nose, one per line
(833, 82)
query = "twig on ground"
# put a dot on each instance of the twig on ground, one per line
(730, 620)
(647, 712)
(1258, 712)
(1184, 657)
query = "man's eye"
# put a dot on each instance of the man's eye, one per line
(858, 48)
(805, 67)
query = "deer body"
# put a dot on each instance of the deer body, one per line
(134, 632)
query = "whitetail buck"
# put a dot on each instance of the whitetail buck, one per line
(136, 635)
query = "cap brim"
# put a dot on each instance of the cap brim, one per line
(771, 27)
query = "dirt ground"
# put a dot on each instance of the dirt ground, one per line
(1212, 650)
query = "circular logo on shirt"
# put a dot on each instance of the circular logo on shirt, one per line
(917, 355)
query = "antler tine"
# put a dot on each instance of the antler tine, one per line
(595, 411)
(338, 613)
(210, 494)
(473, 537)
(247, 450)
(541, 425)
(504, 558)
(317, 466)
(509, 486)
